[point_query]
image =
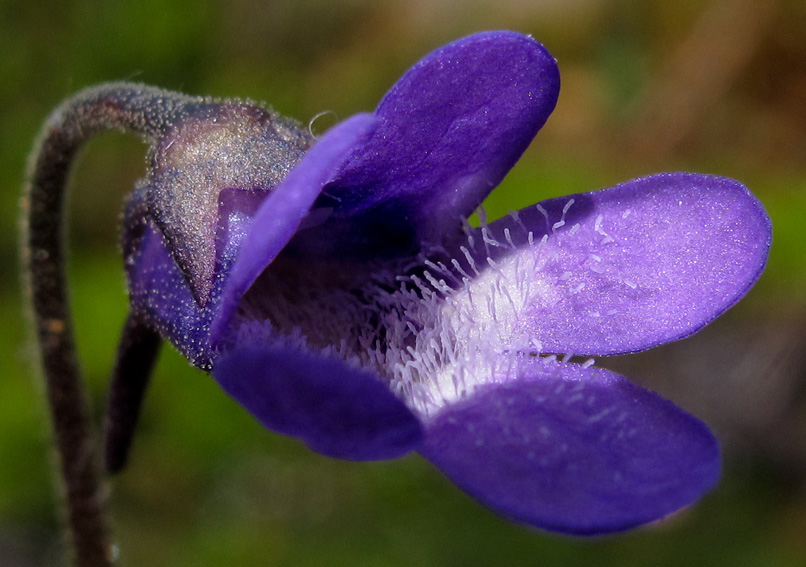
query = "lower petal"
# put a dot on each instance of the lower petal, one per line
(337, 410)
(574, 450)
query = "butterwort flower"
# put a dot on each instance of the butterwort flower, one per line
(335, 289)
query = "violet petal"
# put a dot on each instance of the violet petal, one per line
(337, 410)
(448, 132)
(624, 269)
(574, 450)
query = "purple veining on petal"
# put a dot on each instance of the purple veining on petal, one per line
(339, 411)
(624, 269)
(574, 450)
(280, 214)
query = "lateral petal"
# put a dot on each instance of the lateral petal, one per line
(623, 269)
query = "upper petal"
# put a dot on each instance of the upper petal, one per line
(623, 269)
(448, 132)
(575, 450)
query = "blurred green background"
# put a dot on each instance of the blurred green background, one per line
(714, 86)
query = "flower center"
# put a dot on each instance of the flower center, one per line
(433, 327)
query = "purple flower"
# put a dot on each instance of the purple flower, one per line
(339, 295)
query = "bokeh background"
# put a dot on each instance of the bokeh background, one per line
(714, 86)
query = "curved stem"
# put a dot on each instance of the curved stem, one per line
(120, 106)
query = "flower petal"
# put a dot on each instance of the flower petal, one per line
(449, 130)
(575, 450)
(624, 269)
(281, 213)
(339, 411)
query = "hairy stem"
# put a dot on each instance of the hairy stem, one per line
(117, 106)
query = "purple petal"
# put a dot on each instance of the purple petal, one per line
(574, 450)
(281, 213)
(624, 269)
(449, 130)
(339, 411)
